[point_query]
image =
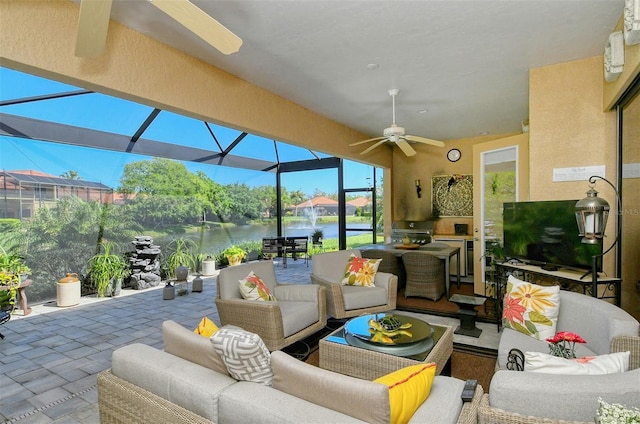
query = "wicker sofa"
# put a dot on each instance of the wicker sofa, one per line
(149, 385)
(528, 397)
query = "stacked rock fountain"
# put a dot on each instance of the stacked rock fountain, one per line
(145, 263)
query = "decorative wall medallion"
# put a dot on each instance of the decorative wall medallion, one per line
(452, 195)
(614, 56)
(632, 22)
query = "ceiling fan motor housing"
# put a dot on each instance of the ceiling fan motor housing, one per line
(393, 130)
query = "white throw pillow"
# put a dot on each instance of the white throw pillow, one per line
(589, 365)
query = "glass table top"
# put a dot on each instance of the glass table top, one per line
(418, 349)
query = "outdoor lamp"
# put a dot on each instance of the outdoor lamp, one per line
(418, 188)
(591, 215)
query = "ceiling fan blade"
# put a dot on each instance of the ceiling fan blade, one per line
(367, 141)
(93, 24)
(370, 148)
(424, 140)
(405, 147)
(201, 24)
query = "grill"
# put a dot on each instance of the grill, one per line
(418, 231)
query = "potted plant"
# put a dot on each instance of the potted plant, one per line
(180, 255)
(12, 272)
(107, 270)
(316, 236)
(234, 255)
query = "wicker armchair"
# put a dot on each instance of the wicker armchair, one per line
(425, 275)
(327, 270)
(617, 388)
(298, 312)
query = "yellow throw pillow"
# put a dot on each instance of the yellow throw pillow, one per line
(253, 288)
(408, 389)
(206, 327)
(360, 272)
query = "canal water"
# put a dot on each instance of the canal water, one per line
(216, 239)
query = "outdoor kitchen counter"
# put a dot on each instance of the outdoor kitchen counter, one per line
(443, 253)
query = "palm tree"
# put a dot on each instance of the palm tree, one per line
(71, 175)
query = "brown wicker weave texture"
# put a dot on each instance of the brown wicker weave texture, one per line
(425, 275)
(627, 343)
(121, 402)
(369, 365)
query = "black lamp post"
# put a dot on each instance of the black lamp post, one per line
(591, 215)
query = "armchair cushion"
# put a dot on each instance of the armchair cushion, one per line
(297, 316)
(558, 397)
(253, 288)
(531, 309)
(362, 399)
(330, 265)
(227, 281)
(244, 354)
(590, 365)
(360, 271)
(355, 297)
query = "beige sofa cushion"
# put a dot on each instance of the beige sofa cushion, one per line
(185, 344)
(362, 399)
(177, 380)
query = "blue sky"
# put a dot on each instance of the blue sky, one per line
(106, 113)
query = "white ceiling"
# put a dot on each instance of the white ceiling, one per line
(465, 62)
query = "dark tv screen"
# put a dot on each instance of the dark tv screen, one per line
(546, 233)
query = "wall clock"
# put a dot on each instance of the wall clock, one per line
(453, 155)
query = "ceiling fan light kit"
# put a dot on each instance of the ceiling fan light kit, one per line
(397, 135)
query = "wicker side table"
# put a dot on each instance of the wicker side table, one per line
(369, 365)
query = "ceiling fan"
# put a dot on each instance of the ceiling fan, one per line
(93, 24)
(397, 135)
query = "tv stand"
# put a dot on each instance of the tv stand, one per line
(608, 287)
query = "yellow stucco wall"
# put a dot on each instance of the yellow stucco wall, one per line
(428, 162)
(568, 127)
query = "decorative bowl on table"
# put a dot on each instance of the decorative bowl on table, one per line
(406, 335)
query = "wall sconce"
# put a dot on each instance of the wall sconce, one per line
(591, 216)
(418, 188)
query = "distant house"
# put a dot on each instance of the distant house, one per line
(25, 191)
(324, 206)
(362, 203)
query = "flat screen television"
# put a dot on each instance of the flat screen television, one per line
(545, 233)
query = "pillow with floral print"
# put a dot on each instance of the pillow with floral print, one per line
(360, 272)
(531, 309)
(253, 288)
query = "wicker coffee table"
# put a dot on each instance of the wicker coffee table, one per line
(336, 354)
